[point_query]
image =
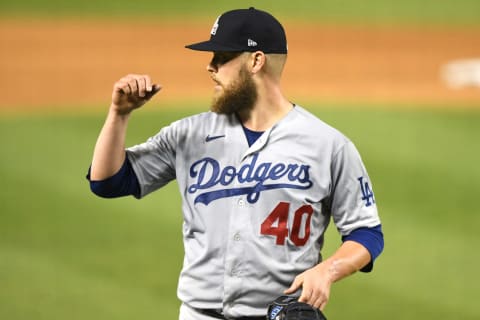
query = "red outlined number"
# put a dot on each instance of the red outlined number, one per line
(280, 214)
(276, 224)
(297, 224)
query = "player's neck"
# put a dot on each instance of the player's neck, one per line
(266, 112)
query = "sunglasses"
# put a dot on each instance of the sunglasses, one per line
(220, 58)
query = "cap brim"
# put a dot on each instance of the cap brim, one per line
(211, 46)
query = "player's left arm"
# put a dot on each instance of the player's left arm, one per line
(353, 207)
(357, 252)
(317, 281)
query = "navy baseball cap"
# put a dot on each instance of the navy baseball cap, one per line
(245, 30)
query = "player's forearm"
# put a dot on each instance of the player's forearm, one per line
(348, 259)
(109, 153)
(316, 282)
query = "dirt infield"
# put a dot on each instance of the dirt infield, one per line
(74, 63)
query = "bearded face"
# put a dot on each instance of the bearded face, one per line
(239, 96)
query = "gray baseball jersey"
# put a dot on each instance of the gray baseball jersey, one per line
(254, 217)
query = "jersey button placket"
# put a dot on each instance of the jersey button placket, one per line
(235, 248)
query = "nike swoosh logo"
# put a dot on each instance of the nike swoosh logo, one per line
(210, 138)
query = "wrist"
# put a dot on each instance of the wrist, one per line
(118, 112)
(339, 268)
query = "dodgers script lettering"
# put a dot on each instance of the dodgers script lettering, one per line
(250, 179)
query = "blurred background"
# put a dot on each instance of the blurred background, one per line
(400, 78)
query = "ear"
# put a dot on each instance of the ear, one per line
(257, 61)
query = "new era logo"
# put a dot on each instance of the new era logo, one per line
(251, 43)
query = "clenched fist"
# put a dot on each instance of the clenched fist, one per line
(131, 92)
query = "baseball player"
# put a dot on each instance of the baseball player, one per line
(260, 179)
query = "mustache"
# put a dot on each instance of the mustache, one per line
(215, 79)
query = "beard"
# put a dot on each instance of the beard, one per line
(239, 96)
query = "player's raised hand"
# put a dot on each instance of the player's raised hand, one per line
(131, 92)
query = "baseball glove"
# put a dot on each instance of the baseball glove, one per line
(288, 308)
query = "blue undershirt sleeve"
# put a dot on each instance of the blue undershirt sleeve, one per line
(371, 239)
(123, 183)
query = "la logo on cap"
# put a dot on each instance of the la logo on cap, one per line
(215, 27)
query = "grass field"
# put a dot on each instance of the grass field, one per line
(65, 254)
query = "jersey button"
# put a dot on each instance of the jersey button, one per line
(241, 202)
(237, 237)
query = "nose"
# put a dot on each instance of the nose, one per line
(211, 67)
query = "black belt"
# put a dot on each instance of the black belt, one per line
(217, 314)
